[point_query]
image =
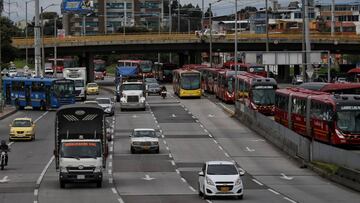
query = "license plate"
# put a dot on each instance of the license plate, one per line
(146, 147)
(80, 177)
(224, 189)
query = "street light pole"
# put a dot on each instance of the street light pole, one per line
(267, 32)
(37, 38)
(202, 15)
(333, 18)
(178, 16)
(55, 47)
(236, 50)
(307, 39)
(170, 25)
(42, 40)
(210, 25)
(26, 31)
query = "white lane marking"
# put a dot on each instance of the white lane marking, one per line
(257, 140)
(160, 131)
(258, 182)
(215, 141)
(44, 171)
(220, 148)
(164, 141)
(206, 130)
(209, 201)
(110, 180)
(110, 171)
(110, 164)
(4, 179)
(222, 105)
(201, 126)
(173, 116)
(211, 116)
(173, 163)
(193, 117)
(186, 109)
(162, 136)
(147, 177)
(250, 150)
(192, 189)
(36, 120)
(36, 192)
(283, 176)
(226, 154)
(210, 135)
(121, 200)
(170, 156)
(156, 121)
(290, 200)
(113, 190)
(111, 156)
(111, 149)
(167, 148)
(35, 201)
(197, 121)
(177, 171)
(183, 180)
(10, 143)
(273, 191)
(158, 126)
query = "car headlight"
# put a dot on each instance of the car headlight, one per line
(63, 169)
(12, 131)
(154, 143)
(27, 132)
(98, 169)
(142, 99)
(107, 110)
(209, 181)
(123, 100)
(238, 181)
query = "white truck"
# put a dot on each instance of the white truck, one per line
(78, 74)
(80, 144)
(132, 96)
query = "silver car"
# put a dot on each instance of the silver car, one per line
(107, 104)
(153, 88)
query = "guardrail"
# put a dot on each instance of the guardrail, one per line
(175, 38)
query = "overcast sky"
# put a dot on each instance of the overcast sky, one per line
(224, 7)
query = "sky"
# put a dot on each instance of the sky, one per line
(224, 7)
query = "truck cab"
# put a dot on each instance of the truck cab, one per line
(132, 95)
(77, 74)
(80, 160)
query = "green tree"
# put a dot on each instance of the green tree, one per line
(8, 31)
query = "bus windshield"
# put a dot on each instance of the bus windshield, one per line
(79, 83)
(257, 69)
(230, 84)
(263, 96)
(81, 150)
(190, 81)
(145, 68)
(132, 87)
(348, 121)
(64, 89)
(99, 67)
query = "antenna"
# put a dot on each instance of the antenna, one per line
(67, 134)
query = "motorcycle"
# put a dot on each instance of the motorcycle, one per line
(163, 94)
(2, 160)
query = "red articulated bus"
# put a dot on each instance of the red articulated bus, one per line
(246, 67)
(332, 119)
(209, 77)
(257, 92)
(225, 86)
(333, 88)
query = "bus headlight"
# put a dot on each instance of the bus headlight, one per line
(253, 106)
(339, 134)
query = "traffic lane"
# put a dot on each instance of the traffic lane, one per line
(140, 175)
(27, 160)
(191, 150)
(269, 162)
(50, 190)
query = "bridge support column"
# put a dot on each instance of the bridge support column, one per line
(297, 70)
(86, 60)
(183, 58)
(194, 58)
(283, 73)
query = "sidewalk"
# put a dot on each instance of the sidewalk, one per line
(7, 111)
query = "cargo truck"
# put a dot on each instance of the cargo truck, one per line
(78, 74)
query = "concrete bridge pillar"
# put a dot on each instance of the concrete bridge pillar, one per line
(194, 58)
(86, 60)
(183, 58)
(283, 73)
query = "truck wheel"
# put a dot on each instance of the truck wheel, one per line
(99, 184)
(62, 184)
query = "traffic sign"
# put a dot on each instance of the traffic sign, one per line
(310, 72)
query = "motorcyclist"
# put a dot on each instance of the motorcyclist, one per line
(163, 89)
(4, 147)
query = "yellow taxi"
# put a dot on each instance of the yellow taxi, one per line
(92, 88)
(22, 129)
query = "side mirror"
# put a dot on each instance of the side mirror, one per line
(241, 172)
(201, 173)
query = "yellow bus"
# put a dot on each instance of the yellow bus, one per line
(186, 83)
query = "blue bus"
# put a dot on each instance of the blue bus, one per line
(39, 93)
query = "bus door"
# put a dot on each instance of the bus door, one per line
(8, 93)
(28, 95)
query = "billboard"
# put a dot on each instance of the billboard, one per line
(77, 6)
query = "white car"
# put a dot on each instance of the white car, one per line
(220, 178)
(144, 139)
(12, 72)
(48, 68)
(206, 34)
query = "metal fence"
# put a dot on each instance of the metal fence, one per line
(295, 144)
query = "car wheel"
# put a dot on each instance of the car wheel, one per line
(62, 184)
(132, 150)
(157, 150)
(99, 184)
(204, 194)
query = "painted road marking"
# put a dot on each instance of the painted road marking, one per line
(258, 182)
(192, 189)
(113, 190)
(10, 143)
(110, 180)
(215, 141)
(290, 200)
(36, 192)
(110, 164)
(273, 191)
(165, 142)
(220, 148)
(167, 148)
(226, 154)
(177, 171)
(41, 116)
(110, 171)
(170, 156)
(230, 111)
(210, 135)
(111, 149)
(120, 200)
(4, 179)
(44, 171)
(206, 130)
(111, 156)
(250, 150)
(183, 180)
(283, 176)
(173, 163)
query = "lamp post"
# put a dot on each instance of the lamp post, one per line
(170, 25)
(210, 25)
(42, 34)
(26, 31)
(178, 16)
(55, 47)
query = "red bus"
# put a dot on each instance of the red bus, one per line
(257, 92)
(246, 67)
(333, 88)
(61, 63)
(225, 86)
(209, 77)
(332, 119)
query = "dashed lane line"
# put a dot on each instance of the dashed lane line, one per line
(114, 190)
(258, 182)
(273, 191)
(290, 200)
(36, 120)
(44, 171)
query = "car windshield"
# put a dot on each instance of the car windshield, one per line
(263, 96)
(145, 68)
(132, 87)
(150, 80)
(190, 81)
(100, 67)
(103, 101)
(21, 123)
(225, 169)
(349, 121)
(144, 133)
(154, 85)
(80, 150)
(92, 85)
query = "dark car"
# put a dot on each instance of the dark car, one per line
(153, 88)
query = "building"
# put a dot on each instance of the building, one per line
(110, 16)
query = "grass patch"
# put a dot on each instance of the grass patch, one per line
(20, 63)
(330, 168)
(111, 69)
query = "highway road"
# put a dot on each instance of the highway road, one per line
(192, 131)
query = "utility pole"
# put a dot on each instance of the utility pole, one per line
(125, 16)
(267, 32)
(307, 40)
(202, 15)
(105, 17)
(42, 40)
(37, 39)
(55, 47)
(170, 26)
(333, 18)
(178, 16)
(210, 25)
(9, 8)
(236, 51)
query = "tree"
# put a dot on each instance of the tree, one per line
(8, 31)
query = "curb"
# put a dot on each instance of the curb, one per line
(224, 108)
(8, 114)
